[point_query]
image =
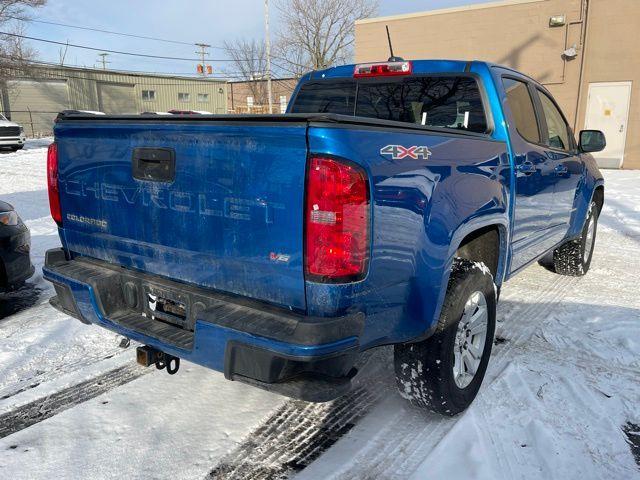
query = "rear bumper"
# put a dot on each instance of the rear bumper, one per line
(310, 358)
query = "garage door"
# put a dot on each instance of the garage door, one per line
(35, 104)
(116, 98)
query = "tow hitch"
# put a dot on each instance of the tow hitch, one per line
(147, 356)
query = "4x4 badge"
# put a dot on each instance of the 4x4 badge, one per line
(398, 152)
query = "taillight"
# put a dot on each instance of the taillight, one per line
(336, 221)
(387, 69)
(52, 183)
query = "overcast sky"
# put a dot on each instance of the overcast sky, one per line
(191, 21)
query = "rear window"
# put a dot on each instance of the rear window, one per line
(326, 97)
(440, 101)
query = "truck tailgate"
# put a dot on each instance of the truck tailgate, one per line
(212, 203)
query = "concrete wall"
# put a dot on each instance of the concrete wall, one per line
(517, 33)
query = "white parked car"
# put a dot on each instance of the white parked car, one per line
(11, 134)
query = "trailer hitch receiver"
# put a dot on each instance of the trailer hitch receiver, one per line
(147, 356)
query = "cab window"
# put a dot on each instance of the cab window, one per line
(557, 130)
(451, 102)
(326, 97)
(521, 105)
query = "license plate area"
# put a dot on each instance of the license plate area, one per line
(167, 306)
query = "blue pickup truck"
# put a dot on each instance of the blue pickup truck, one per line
(386, 207)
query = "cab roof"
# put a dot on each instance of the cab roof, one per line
(419, 66)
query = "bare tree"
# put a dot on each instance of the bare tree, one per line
(14, 53)
(318, 33)
(249, 61)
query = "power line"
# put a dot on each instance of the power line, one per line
(221, 77)
(118, 52)
(110, 32)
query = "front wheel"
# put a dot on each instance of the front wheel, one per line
(574, 257)
(443, 373)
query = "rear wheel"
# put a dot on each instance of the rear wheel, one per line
(444, 372)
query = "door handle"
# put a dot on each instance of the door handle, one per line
(526, 168)
(561, 169)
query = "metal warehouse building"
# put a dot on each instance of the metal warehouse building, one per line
(34, 100)
(586, 52)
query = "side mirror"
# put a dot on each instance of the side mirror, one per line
(592, 141)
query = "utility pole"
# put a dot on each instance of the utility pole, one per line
(104, 60)
(63, 53)
(268, 51)
(203, 53)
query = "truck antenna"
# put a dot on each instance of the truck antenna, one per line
(392, 58)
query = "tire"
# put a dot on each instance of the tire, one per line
(574, 257)
(425, 370)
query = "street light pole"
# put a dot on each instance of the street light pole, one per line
(268, 52)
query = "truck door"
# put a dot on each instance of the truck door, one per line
(562, 152)
(535, 177)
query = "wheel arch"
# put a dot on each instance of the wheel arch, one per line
(598, 196)
(592, 190)
(484, 241)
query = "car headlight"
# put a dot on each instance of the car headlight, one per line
(9, 218)
(21, 130)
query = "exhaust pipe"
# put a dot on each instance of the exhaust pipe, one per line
(147, 356)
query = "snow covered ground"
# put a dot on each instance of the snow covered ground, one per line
(563, 383)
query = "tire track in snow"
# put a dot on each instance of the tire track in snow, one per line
(43, 408)
(10, 390)
(294, 437)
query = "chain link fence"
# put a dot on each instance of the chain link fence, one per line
(36, 123)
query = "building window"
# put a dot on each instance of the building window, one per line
(249, 102)
(203, 98)
(148, 95)
(184, 97)
(283, 104)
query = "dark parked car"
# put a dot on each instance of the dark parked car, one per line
(15, 243)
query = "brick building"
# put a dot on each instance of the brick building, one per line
(251, 96)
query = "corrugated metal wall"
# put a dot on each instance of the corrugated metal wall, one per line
(32, 102)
